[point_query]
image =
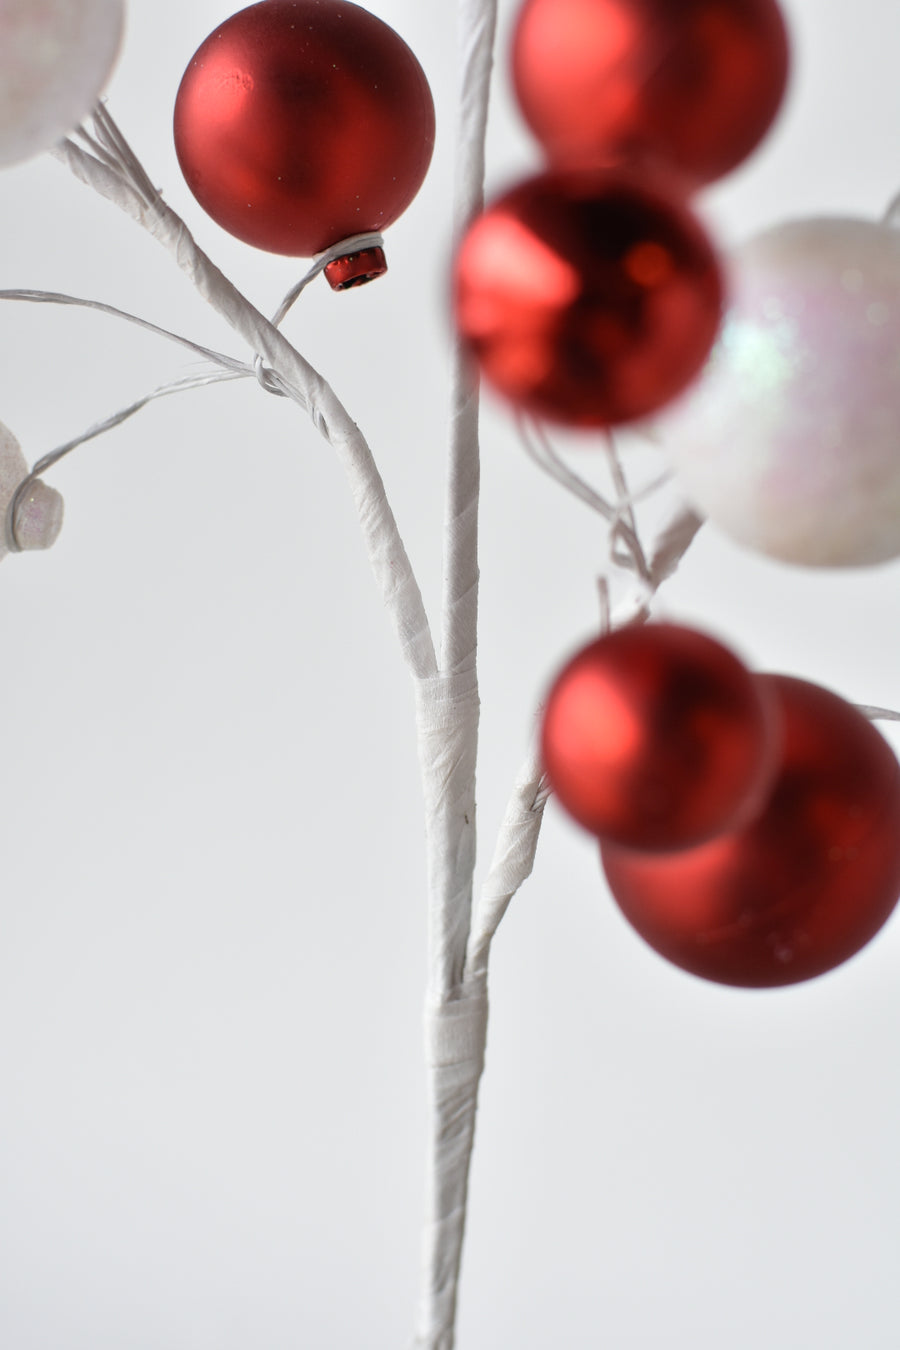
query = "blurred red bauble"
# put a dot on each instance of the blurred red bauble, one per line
(802, 887)
(657, 737)
(300, 123)
(695, 83)
(587, 297)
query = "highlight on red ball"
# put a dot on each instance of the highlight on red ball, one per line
(657, 737)
(301, 123)
(695, 84)
(802, 887)
(588, 297)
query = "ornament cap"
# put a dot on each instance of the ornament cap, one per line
(355, 269)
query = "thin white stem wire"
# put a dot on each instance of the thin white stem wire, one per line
(116, 419)
(56, 298)
(625, 550)
(47, 461)
(541, 449)
(625, 528)
(229, 369)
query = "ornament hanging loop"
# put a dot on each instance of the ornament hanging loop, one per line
(348, 263)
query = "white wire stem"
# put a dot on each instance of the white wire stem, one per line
(625, 530)
(541, 449)
(118, 176)
(625, 547)
(56, 298)
(229, 369)
(448, 709)
(97, 429)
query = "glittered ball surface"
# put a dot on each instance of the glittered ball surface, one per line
(695, 83)
(55, 58)
(587, 297)
(39, 515)
(300, 123)
(658, 737)
(789, 443)
(802, 887)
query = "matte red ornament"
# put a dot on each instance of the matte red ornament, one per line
(693, 83)
(801, 888)
(300, 123)
(588, 297)
(658, 737)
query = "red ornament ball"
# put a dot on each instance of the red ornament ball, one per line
(658, 737)
(587, 297)
(300, 123)
(694, 83)
(803, 886)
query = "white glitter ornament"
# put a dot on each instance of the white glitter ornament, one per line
(790, 441)
(39, 513)
(55, 57)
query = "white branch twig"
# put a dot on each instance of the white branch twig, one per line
(512, 862)
(119, 177)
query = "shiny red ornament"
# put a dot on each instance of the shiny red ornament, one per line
(300, 123)
(587, 297)
(802, 887)
(658, 737)
(693, 83)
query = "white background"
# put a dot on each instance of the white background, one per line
(212, 934)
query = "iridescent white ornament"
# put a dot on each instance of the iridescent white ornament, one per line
(790, 440)
(55, 58)
(39, 511)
